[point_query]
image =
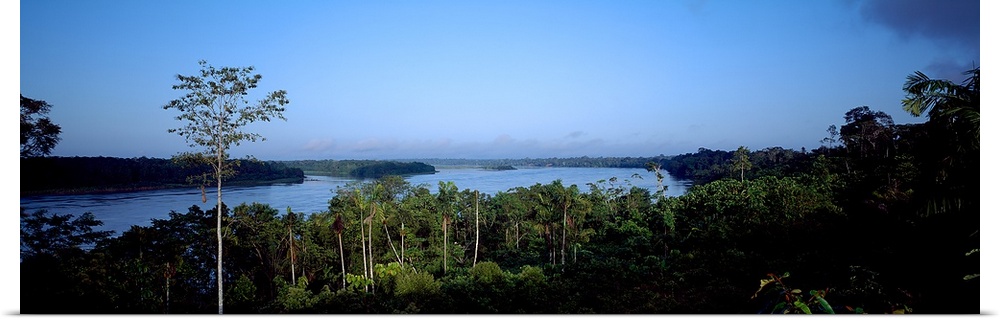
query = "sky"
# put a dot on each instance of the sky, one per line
(490, 79)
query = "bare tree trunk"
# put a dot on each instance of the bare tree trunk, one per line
(562, 250)
(167, 300)
(445, 249)
(218, 230)
(388, 238)
(364, 251)
(371, 248)
(476, 255)
(518, 235)
(402, 245)
(291, 249)
(343, 269)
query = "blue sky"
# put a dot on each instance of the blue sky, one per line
(490, 79)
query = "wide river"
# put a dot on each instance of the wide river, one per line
(119, 211)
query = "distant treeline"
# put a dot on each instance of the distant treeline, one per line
(360, 168)
(54, 175)
(584, 161)
(709, 165)
(499, 168)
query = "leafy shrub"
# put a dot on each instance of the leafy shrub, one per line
(486, 272)
(420, 283)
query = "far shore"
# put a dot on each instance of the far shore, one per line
(142, 188)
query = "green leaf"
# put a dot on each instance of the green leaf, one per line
(826, 305)
(779, 306)
(802, 306)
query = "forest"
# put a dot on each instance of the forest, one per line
(364, 169)
(882, 218)
(68, 175)
(583, 161)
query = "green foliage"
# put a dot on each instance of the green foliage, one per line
(411, 284)
(298, 298)
(358, 282)
(364, 169)
(55, 234)
(945, 102)
(741, 161)
(791, 301)
(38, 133)
(243, 292)
(385, 274)
(710, 165)
(486, 272)
(532, 276)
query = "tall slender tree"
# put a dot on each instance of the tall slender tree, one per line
(215, 110)
(447, 197)
(290, 221)
(741, 161)
(338, 228)
(475, 256)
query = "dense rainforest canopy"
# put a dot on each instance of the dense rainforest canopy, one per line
(884, 218)
(40, 175)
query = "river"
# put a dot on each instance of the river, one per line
(119, 211)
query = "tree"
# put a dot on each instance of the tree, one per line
(832, 139)
(654, 167)
(741, 161)
(215, 109)
(56, 264)
(290, 220)
(447, 197)
(338, 228)
(868, 134)
(945, 102)
(952, 183)
(44, 234)
(38, 133)
(475, 256)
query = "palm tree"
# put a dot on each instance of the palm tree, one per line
(475, 256)
(291, 240)
(945, 102)
(338, 227)
(362, 205)
(953, 122)
(447, 197)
